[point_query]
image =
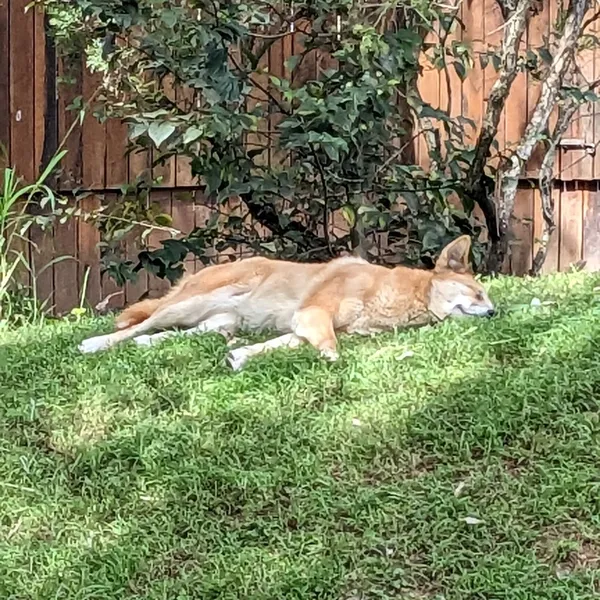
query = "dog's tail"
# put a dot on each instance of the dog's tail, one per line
(137, 313)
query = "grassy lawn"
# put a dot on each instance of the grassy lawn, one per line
(453, 462)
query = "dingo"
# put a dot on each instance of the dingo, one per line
(305, 302)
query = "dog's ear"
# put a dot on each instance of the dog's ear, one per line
(455, 256)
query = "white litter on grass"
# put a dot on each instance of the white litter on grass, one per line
(472, 521)
(405, 354)
(356, 422)
(535, 302)
(459, 488)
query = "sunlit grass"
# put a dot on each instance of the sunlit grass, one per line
(456, 461)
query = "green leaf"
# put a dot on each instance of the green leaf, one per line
(292, 62)
(545, 55)
(412, 201)
(137, 130)
(349, 214)
(429, 111)
(192, 134)
(160, 132)
(460, 69)
(331, 151)
(163, 220)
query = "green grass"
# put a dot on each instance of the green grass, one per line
(470, 469)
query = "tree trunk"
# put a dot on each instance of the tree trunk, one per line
(476, 188)
(511, 172)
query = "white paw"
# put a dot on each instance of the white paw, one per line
(95, 344)
(330, 355)
(143, 340)
(150, 339)
(238, 358)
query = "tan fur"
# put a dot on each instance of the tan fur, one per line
(310, 301)
(137, 313)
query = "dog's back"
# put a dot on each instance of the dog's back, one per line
(266, 292)
(310, 301)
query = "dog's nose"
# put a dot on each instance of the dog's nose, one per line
(491, 312)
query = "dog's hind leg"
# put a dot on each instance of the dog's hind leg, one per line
(186, 313)
(226, 324)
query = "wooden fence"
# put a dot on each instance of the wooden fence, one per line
(34, 115)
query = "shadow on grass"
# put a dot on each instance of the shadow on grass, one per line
(436, 476)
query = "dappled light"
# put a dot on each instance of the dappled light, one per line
(456, 460)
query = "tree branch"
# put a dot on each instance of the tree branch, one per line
(565, 114)
(510, 174)
(475, 186)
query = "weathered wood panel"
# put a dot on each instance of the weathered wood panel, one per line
(34, 119)
(5, 109)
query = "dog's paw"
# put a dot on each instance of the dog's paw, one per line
(238, 358)
(95, 344)
(154, 338)
(143, 340)
(330, 355)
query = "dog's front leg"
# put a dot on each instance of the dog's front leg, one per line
(239, 357)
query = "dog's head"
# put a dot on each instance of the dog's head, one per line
(454, 289)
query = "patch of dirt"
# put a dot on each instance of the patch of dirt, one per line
(515, 466)
(170, 566)
(566, 550)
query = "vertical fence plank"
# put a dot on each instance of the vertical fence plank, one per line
(571, 234)
(93, 138)
(591, 229)
(183, 165)
(522, 243)
(116, 148)
(42, 268)
(517, 110)
(88, 264)
(538, 30)
(184, 219)
(494, 33)
(70, 71)
(472, 106)
(449, 83)
(596, 107)
(138, 164)
(157, 286)
(277, 68)
(164, 171)
(22, 89)
(108, 287)
(136, 289)
(22, 110)
(5, 108)
(203, 210)
(66, 272)
(40, 82)
(578, 163)
(429, 89)
(551, 263)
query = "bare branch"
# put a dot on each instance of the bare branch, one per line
(509, 177)
(475, 186)
(565, 114)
